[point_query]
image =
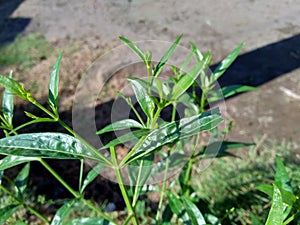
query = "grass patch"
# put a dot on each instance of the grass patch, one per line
(25, 51)
(228, 185)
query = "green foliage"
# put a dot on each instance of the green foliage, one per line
(152, 139)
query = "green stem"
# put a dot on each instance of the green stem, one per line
(122, 186)
(174, 111)
(73, 192)
(163, 190)
(81, 173)
(32, 210)
(188, 173)
(56, 175)
(137, 187)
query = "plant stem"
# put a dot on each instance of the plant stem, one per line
(122, 186)
(163, 190)
(56, 175)
(32, 210)
(188, 173)
(74, 193)
(137, 187)
(81, 173)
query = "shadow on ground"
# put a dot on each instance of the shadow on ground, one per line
(10, 27)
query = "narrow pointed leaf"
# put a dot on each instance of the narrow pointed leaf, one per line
(120, 125)
(219, 148)
(194, 213)
(143, 98)
(12, 160)
(8, 104)
(185, 63)
(22, 180)
(178, 208)
(287, 197)
(6, 212)
(197, 52)
(166, 56)
(186, 81)
(134, 48)
(276, 213)
(93, 173)
(177, 130)
(89, 221)
(133, 135)
(225, 64)
(46, 145)
(229, 91)
(15, 88)
(282, 179)
(1, 175)
(175, 160)
(62, 213)
(53, 86)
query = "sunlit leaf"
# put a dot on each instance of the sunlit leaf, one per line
(177, 130)
(22, 180)
(120, 125)
(131, 136)
(134, 48)
(62, 213)
(8, 104)
(166, 56)
(178, 208)
(143, 98)
(53, 85)
(275, 216)
(46, 145)
(13, 160)
(225, 64)
(89, 221)
(186, 81)
(282, 179)
(194, 213)
(93, 173)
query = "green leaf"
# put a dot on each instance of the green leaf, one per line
(46, 145)
(93, 173)
(287, 197)
(1, 175)
(219, 148)
(166, 56)
(139, 170)
(135, 49)
(194, 213)
(133, 135)
(196, 51)
(53, 86)
(12, 160)
(282, 179)
(143, 98)
(276, 213)
(22, 180)
(255, 220)
(186, 81)
(8, 104)
(178, 208)
(228, 91)
(177, 130)
(62, 213)
(6, 212)
(175, 160)
(120, 125)
(89, 221)
(225, 64)
(15, 88)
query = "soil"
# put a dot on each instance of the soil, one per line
(86, 30)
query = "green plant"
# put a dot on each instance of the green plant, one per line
(285, 204)
(151, 137)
